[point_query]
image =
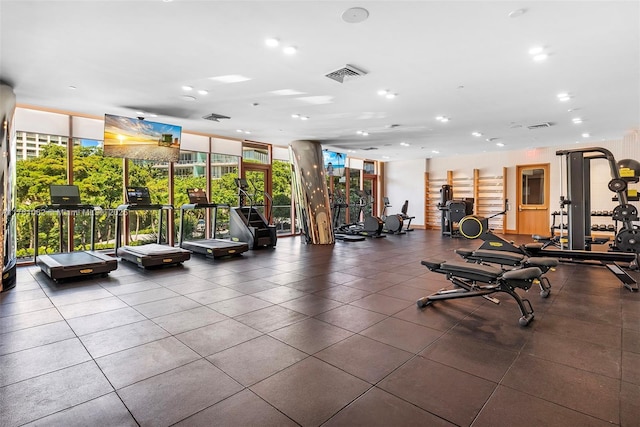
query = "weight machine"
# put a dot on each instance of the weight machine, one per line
(453, 210)
(626, 245)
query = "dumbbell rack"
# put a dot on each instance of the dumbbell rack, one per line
(590, 240)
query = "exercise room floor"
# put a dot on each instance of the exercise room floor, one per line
(316, 335)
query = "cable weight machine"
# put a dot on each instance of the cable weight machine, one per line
(626, 244)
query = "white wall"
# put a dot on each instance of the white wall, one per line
(404, 180)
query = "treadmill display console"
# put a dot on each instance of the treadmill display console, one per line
(138, 196)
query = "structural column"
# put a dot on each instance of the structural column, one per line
(313, 208)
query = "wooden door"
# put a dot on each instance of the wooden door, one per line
(533, 199)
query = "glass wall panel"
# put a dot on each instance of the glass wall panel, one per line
(99, 179)
(355, 196)
(281, 188)
(41, 161)
(143, 225)
(190, 172)
(369, 167)
(255, 153)
(224, 171)
(338, 187)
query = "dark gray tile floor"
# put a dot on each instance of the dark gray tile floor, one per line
(316, 335)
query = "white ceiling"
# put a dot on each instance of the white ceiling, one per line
(467, 60)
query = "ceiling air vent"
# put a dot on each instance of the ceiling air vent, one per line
(540, 126)
(215, 117)
(369, 148)
(345, 73)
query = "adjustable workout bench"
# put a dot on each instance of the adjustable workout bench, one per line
(512, 259)
(467, 276)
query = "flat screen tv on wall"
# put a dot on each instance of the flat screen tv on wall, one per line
(334, 162)
(141, 139)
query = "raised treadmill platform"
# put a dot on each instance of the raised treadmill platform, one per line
(76, 264)
(153, 255)
(216, 248)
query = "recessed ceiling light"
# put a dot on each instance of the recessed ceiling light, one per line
(153, 115)
(586, 135)
(499, 144)
(188, 98)
(576, 120)
(203, 92)
(476, 134)
(404, 144)
(391, 95)
(445, 119)
(239, 130)
(289, 50)
(536, 50)
(435, 151)
(247, 132)
(286, 92)
(516, 13)
(383, 92)
(359, 132)
(231, 78)
(540, 57)
(386, 157)
(140, 113)
(72, 87)
(295, 116)
(272, 42)
(365, 133)
(187, 88)
(304, 118)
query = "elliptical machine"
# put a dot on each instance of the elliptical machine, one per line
(371, 225)
(393, 223)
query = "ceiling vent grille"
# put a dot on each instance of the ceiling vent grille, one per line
(540, 126)
(345, 73)
(369, 148)
(215, 117)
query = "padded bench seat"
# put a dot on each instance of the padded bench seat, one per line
(480, 280)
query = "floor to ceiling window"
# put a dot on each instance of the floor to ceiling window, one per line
(41, 161)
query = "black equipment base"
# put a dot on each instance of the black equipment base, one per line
(216, 248)
(75, 264)
(349, 237)
(152, 255)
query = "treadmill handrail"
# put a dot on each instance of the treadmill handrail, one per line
(60, 209)
(152, 207)
(205, 205)
(193, 206)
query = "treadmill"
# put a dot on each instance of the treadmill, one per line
(151, 254)
(210, 247)
(67, 265)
